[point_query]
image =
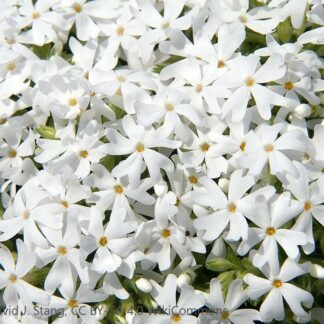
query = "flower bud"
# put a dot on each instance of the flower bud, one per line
(46, 132)
(302, 111)
(223, 183)
(161, 188)
(183, 279)
(317, 271)
(143, 285)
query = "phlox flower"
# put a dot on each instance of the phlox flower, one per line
(224, 210)
(269, 220)
(226, 311)
(16, 289)
(247, 76)
(139, 145)
(178, 310)
(111, 242)
(277, 287)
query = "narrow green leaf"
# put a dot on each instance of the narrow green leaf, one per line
(46, 132)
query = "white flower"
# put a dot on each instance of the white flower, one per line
(227, 311)
(111, 242)
(176, 311)
(14, 147)
(198, 81)
(170, 107)
(73, 306)
(139, 145)
(270, 219)
(123, 87)
(263, 146)
(116, 193)
(277, 288)
(310, 203)
(225, 211)
(27, 211)
(67, 258)
(79, 150)
(249, 80)
(44, 22)
(11, 278)
(84, 14)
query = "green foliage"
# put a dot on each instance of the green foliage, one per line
(46, 131)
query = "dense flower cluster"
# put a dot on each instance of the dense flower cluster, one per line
(161, 161)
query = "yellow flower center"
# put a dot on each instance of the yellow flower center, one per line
(271, 231)
(166, 233)
(12, 153)
(120, 31)
(139, 148)
(225, 315)
(13, 278)
(249, 82)
(242, 146)
(306, 156)
(73, 102)
(243, 19)
(61, 250)
(169, 107)
(121, 78)
(268, 147)
(176, 318)
(36, 15)
(118, 189)
(11, 66)
(277, 283)
(220, 64)
(72, 303)
(308, 205)
(199, 88)
(65, 203)
(231, 207)
(77, 8)
(103, 241)
(83, 154)
(26, 214)
(178, 201)
(289, 86)
(165, 25)
(204, 147)
(193, 179)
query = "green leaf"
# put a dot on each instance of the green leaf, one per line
(108, 162)
(231, 256)
(46, 132)
(43, 52)
(285, 31)
(220, 264)
(225, 279)
(120, 113)
(247, 264)
(173, 59)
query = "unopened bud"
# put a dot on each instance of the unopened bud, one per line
(317, 271)
(183, 279)
(161, 188)
(46, 132)
(143, 285)
(223, 183)
(302, 111)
